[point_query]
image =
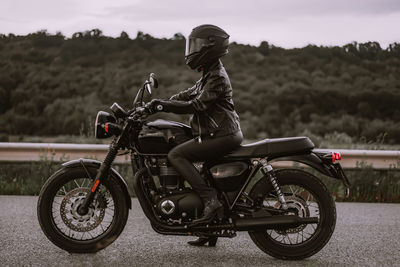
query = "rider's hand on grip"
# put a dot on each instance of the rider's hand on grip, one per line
(154, 106)
(142, 111)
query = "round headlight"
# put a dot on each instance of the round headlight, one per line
(99, 127)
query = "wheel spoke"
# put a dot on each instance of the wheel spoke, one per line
(308, 197)
(63, 189)
(290, 241)
(293, 192)
(82, 227)
(108, 212)
(300, 201)
(90, 235)
(313, 227)
(78, 186)
(83, 182)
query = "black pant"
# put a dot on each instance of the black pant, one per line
(182, 156)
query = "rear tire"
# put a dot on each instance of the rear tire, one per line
(61, 236)
(276, 247)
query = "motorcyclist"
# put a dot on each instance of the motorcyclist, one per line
(214, 122)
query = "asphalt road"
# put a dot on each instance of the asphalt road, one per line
(365, 235)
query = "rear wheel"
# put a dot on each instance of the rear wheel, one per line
(306, 196)
(58, 215)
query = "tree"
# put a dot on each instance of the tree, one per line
(178, 36)
(264, 48)
(124, 35)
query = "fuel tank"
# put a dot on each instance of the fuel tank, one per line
(160, 136)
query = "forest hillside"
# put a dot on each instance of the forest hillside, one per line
(52, 85)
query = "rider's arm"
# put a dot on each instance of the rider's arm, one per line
(184, 95)
(210, 93)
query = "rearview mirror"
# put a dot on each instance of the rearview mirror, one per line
(153, 80)
(148, 87)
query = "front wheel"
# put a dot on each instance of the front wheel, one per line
(58, 204)
(306, 196)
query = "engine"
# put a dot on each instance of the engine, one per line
(173, 201)
(184, 205)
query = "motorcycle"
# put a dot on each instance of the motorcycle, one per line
(288, 213)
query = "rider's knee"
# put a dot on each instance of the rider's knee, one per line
(173, 155)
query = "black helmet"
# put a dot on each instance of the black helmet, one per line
(205, 44)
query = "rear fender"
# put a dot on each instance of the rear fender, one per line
(313, 161)
(96, 164)
(333, 170)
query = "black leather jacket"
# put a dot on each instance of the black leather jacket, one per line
(210, 101)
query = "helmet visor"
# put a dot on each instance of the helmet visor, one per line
(194, 45)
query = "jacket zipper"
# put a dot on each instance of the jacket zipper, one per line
(198, 122)
(212, 120)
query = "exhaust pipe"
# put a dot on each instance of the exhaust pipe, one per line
(272, 222)
(261, 223)
(239, 224)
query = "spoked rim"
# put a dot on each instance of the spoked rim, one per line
(70, 223)
(301, 202)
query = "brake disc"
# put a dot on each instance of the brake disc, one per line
(82, 223)
(300, 208)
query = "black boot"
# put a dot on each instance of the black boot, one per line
(203, 240)
(212, 206)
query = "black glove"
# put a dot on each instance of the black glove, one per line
(154, 105)
(173, 106)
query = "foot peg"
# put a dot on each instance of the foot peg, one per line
(207, 218)
(212, 241)
(212, 209)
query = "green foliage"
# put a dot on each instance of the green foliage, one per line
(28, 178)
(52, 85)
(368, 185)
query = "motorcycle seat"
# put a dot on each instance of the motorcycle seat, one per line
(274, 147)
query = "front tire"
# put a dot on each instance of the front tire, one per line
(59, 201)
(306, 194)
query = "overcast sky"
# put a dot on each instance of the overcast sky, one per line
(286, 23)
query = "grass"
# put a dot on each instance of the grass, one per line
(368, 185)
(28, 178)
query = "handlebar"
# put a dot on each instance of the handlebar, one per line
(139, 112)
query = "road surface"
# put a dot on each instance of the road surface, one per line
(366, 235)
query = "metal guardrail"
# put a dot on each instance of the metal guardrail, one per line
(26, 152)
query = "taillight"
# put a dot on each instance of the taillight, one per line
(336, 156)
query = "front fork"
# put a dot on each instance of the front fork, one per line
(102, 173)
(268, 171)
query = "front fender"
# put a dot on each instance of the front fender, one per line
(96, 164)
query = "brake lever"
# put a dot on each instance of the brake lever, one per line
(140, 112)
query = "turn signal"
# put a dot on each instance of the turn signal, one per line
(336, 156)
(95, 185)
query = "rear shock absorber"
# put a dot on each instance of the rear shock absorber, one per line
(269, 172)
